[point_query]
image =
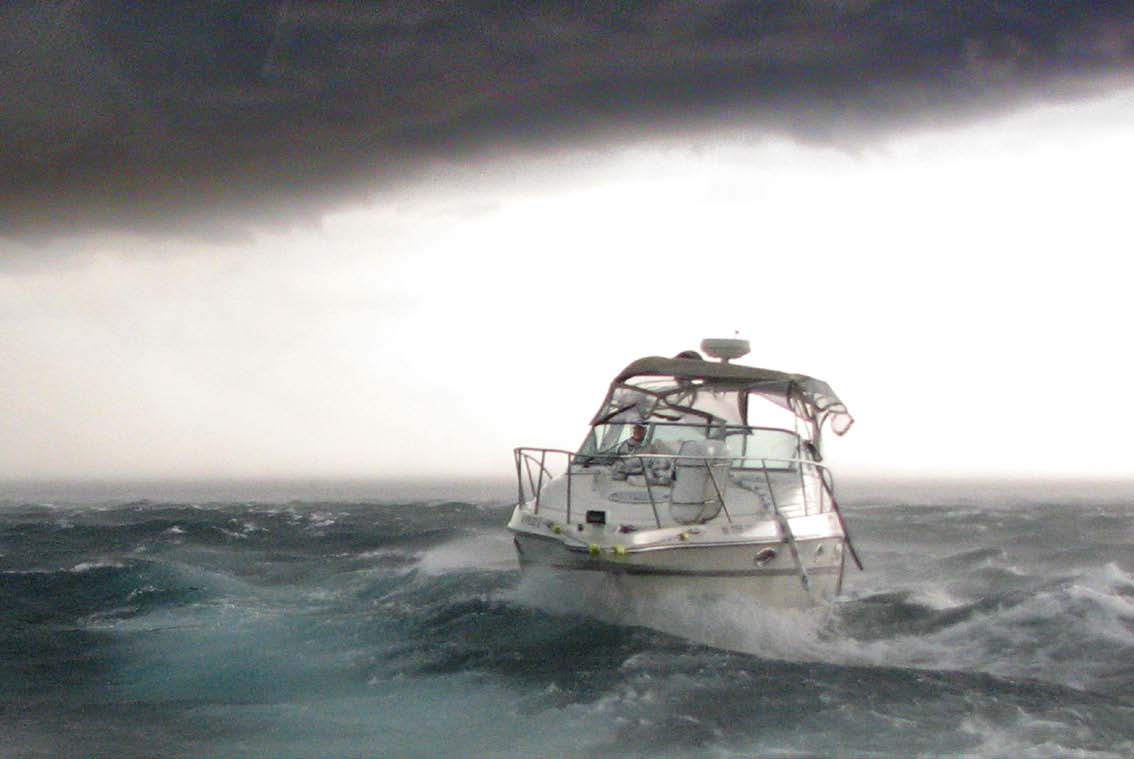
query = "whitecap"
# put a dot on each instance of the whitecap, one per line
(87, 566)
(491, 551)
(730, 622)
(136, 592)
(1029, 737)
(936, 597)
(389, 559)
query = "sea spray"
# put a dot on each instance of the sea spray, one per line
(362, 629)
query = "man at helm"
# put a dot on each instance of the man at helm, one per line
(636, 443)
(629, 451)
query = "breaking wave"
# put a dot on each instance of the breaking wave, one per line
(368, 629)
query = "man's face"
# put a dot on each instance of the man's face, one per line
(638, 434)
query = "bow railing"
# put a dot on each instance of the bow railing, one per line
(790, 485)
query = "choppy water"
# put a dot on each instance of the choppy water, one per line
(991, 622)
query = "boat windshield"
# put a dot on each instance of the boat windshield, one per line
(752, 443)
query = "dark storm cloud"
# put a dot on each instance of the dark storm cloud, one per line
(117, 113)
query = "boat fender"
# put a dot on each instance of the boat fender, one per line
(593, 549)
(558, 530)
(618, 550)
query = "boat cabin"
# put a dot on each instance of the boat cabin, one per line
(697, 440)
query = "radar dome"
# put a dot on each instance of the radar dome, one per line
(725, 348)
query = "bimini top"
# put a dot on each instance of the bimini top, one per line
(654, 384)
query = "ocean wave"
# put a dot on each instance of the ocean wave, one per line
(1020, 734)
(386, 630)
(1068, 630)
(481, 550)
(87, 566)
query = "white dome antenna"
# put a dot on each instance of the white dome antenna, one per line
(725, 348)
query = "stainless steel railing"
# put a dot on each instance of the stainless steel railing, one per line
(535, 467)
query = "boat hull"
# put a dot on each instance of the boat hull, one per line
(763, 572)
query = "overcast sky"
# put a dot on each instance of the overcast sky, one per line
(336, 239)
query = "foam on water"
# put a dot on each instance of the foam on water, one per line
(484, 550)
(1036, 636)
(362, 630)
(732, 623)
(1019, 735)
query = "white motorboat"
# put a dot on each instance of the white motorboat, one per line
(697, 475)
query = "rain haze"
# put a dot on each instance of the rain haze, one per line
(335, 239)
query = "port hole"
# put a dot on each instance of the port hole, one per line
(596, 517)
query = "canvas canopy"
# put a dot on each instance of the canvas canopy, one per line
(712, 390)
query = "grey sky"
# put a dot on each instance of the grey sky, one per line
(182, 117)
(343, 239)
